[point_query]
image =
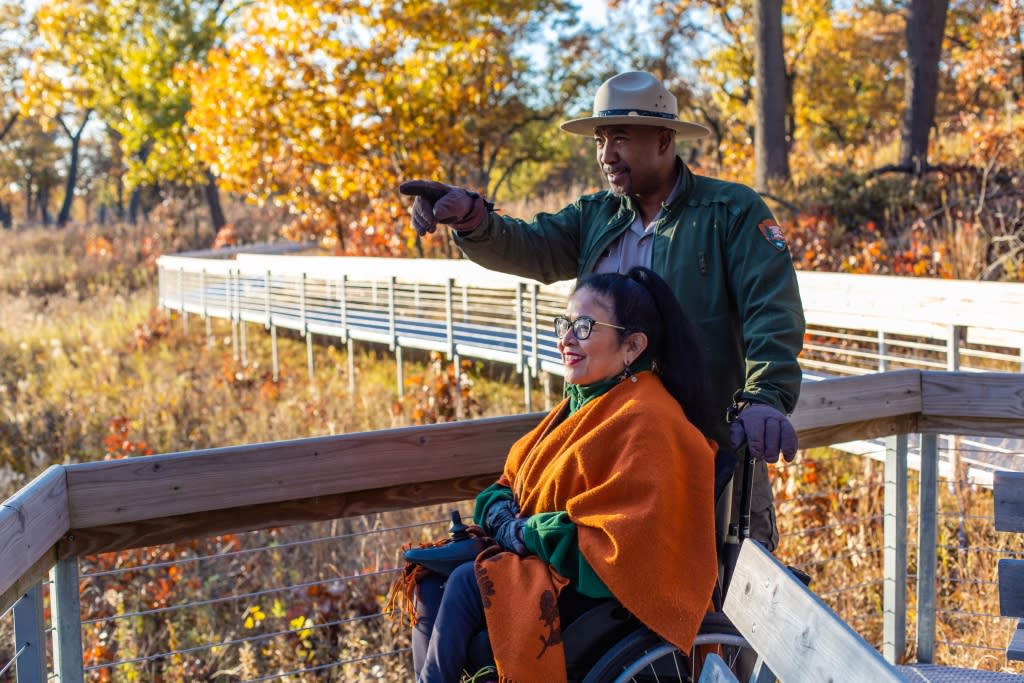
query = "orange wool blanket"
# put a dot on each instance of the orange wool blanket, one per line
(638, 481)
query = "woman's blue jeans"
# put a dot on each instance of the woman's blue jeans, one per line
(451, 607)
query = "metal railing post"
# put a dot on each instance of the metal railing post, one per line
(233, 314)
(956, 334)
(266, 300)
(883, 349)
(202, 291)
(343, 306)
(521, 362)
(303, 328)
(181, 297)
(67, 621)
(927, 543)
(449, 315)
(894, 583)
(392, 334)
(30, 637)
(205, 304)
(534, 336)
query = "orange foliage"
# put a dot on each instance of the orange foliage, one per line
(99, 247)
(226, 237)
(117, 443)
(156, 326)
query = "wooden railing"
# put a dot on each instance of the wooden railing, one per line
(72, 510)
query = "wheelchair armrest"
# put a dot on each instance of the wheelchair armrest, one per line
(443, 559)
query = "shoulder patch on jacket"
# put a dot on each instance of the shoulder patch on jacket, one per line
(772, 232)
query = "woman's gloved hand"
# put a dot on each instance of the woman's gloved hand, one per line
(505, 526)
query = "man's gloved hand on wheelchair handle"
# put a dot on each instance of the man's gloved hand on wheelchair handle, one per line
(766, 431)
(505, 526)
(436, 202)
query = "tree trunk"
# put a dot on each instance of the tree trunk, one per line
(926, 25)
(43, 201)
(770, 146)
(117, 170)
(212, 193)
(8, 125)
(72, 177)
(134, 202)
(5, 216)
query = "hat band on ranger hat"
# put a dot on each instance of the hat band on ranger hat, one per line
(638, 112)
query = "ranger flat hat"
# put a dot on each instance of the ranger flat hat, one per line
(635, 98)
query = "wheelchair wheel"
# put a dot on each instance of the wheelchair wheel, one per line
(643, 656)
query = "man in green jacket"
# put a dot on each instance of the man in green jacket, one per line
(715, 242)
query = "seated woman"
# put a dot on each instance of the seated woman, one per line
(611, 496)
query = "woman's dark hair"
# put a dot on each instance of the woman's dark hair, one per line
(643, 302)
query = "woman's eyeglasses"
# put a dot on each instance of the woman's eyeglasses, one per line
(581, 326)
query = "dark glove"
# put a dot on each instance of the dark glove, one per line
(766, 431)
(439, 203)
(505, 527)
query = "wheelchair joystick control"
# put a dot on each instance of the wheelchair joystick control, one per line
(457, 531)
(460, 547)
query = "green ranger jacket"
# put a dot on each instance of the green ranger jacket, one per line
(718, 247)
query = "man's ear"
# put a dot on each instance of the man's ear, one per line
(666, 141)
(636, 344)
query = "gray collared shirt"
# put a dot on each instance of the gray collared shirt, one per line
(633, 248)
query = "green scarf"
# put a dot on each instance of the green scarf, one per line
(581, 394)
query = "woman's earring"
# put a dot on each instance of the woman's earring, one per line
(629, 373)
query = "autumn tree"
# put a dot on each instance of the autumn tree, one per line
(61, 99)
(29, 160)
(986, 58)
(118, 58)
(13, 42)
(326, 107)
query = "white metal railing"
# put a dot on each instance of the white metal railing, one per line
(856, 323)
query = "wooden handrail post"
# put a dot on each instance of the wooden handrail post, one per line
(894, 583)
(30, 637)
(927, 542)
(67, 621)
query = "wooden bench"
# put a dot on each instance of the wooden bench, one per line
(796, 634)
(1008, 503)
(801, 639)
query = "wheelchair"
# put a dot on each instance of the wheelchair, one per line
(607, 644)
